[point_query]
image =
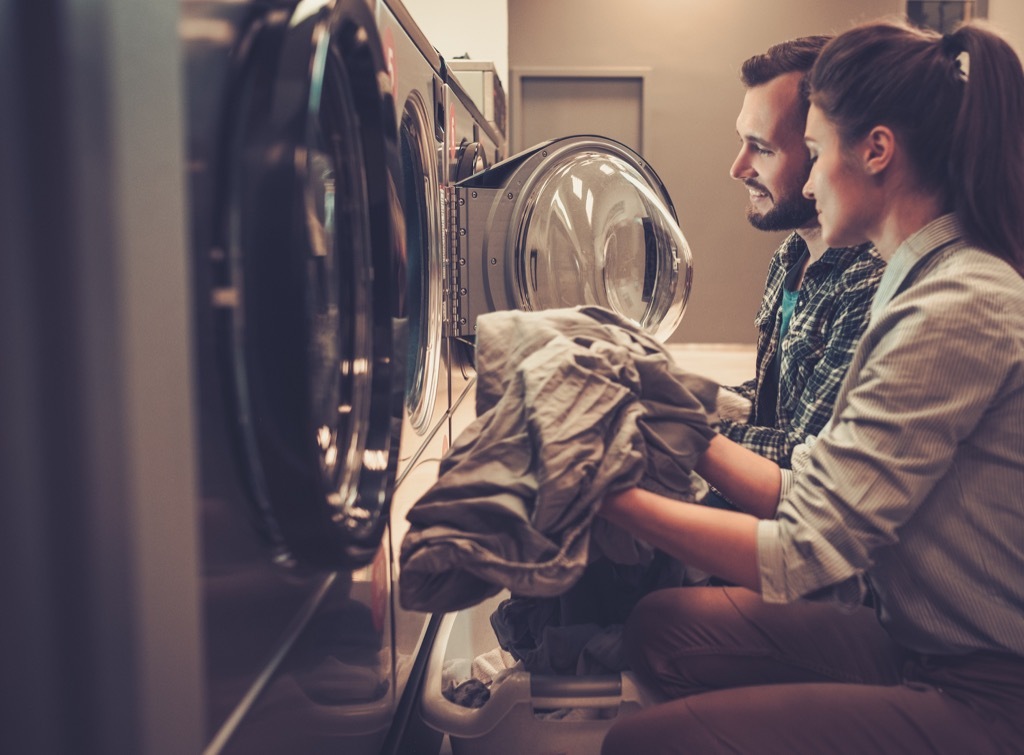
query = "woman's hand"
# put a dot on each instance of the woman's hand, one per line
(720, 542)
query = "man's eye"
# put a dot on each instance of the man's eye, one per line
(763, 152)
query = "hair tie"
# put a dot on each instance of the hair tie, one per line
(952, 47)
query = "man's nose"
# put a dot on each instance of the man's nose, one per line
(741, 168)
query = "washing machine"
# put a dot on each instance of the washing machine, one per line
(474, 145)
(299, 277)
(430, 151)
(347, 199)
(320, 156)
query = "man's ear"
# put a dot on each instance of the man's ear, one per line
(877, 149)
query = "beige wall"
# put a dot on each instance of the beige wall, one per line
(694, 49)
(456, 28)
(1008, 17)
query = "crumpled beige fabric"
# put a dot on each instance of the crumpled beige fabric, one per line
(572, 404)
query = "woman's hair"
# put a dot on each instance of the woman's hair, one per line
(962, 122)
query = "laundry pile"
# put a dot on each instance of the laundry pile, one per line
(572, 405)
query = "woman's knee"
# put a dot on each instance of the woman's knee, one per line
(630, 734)
(660, 730)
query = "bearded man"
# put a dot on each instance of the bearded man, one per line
(817, 299)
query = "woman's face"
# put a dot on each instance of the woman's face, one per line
(841, 189)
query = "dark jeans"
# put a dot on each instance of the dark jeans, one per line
(752, 677)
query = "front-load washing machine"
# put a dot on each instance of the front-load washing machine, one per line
(338, 173)
(429, 150)
(297, 236)
(579, 220)
(320, 157)
(473, 146)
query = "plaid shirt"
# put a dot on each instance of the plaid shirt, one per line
(831, 313)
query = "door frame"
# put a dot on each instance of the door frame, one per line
(516, 76)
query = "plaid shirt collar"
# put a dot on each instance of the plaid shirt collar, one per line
(794, 247)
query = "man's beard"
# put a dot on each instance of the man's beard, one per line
(789, 213)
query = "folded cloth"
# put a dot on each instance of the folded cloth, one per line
(573, 405)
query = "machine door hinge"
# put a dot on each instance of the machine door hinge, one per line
(457, 259)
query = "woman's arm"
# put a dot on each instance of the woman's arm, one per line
(750, 481)
(720, 542)
(723, 543)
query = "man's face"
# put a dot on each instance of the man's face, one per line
(773, 161)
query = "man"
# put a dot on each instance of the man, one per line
(817, 300)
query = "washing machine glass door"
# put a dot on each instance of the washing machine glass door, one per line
(311, 245)
(580, 220)
(421, 204)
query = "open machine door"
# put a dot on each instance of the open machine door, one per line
(304, 282)
(577, 220)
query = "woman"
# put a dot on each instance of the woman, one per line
(912, 499)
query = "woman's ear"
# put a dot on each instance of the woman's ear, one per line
(877, 150)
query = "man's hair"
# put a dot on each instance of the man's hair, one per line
(786, 57)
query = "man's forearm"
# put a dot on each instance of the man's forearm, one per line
(750, 481)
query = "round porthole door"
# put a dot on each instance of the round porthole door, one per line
(424, 284)
(309, 252)
(581, 220)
